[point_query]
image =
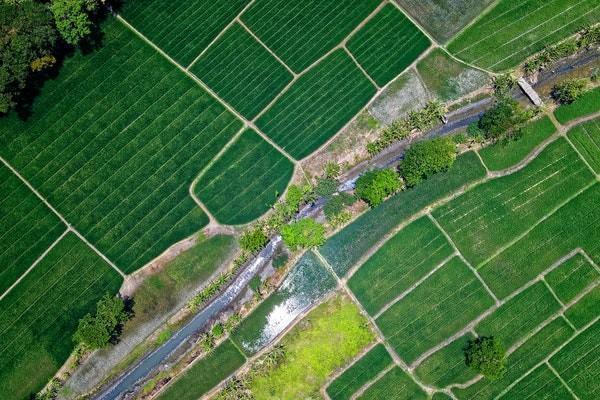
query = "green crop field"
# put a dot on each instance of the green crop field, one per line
(27, 228)
(541, 383)
(39, 316)
(301, 32)
(206, 373)
(520, 315)
(241, 71)
(405, 259)
(317, 105)
(346, 247)
(573, 225)
(525, 357)
(447, 366)
(572, 277)
(116, 157)
(585, 310)
(444, 18)
(578, 363)
(365, 369)
(396, 384)
(512, 31)
(587, 104)
(307, 282)
(485, 218)
(586, 139)
(245, 181)
(436, 309)
(182, 29)
(505, 154)
(387, 44)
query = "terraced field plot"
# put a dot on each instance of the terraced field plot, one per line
(245, 181)
(365, 369)
(585, 310)
(405, 259)
(492, 214)
(572, 277)
(434, 310)
(300, 32)
(182, 29)
(241, 71)
(588, 103)
(512, 31)
(444, 18)
(586, 139)
(317, 105)
(38, 317)
(387, 44)
(27, 228)
(396, 384)
(117, 155)
(539, 384)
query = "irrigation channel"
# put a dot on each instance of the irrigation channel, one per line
(458, 119)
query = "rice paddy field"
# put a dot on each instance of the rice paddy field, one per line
(387, 44)
(588, 103)
(511, 31)
(586, 139)
(396, 384)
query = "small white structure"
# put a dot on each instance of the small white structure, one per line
(530, 92)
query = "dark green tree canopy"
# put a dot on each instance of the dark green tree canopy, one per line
(426, 158)
(100, 329)
(374, 186)
(486, 356)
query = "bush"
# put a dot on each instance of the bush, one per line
(280, 258)
(101, 329)
(305, 233)
(326, 187)
(337, 204)
(486, 356)
(253, 240)
(374, 186)
(332, 170)
(255, 284)
(504, 119)
(503, 84)
(569, 90)
(424, 159)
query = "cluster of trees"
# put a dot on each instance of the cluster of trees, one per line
(98, 330)
(34, 36)
(569, 90)
(486, 356)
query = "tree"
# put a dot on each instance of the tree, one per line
(73, 18)
(569, 90)
(27, 40)
(374, 186)
(253, 240)
(504, 119)
(486, 356)
(305, 233)
(426, 158)
(99, 330)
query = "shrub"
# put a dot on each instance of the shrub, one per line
(253, 240)
(424, 159)
(255, 284)
(332, 170)
(337, 204)
(374, 186)
(326, 187)
(504, 119)
(503, 84)
(568, 90)
(280, 258)
(486, 356)
(217, 330)
(305, 233)
(99, 330)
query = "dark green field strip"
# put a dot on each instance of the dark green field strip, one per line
(587, 104)
(586, 138)
(396, 384)
(525, 357)
(387, 44)
(361, 372)
(245, 181)
(504, 155)
(307, 282)
(578, 363)
(317, 105)
(241, 71)
(300, 32)
(440, 396)
(434, 310)
(346, 247)
(117, 155)
(572, 277)
(27, 228)
(492, 214)
(444, 18)
(512, 31)
(404, 259)
(573, 225)
(447, 366)
(182, 29)
(541, 383)
(38, 317)
(585, 310)
(520, 315)
(206, 373)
